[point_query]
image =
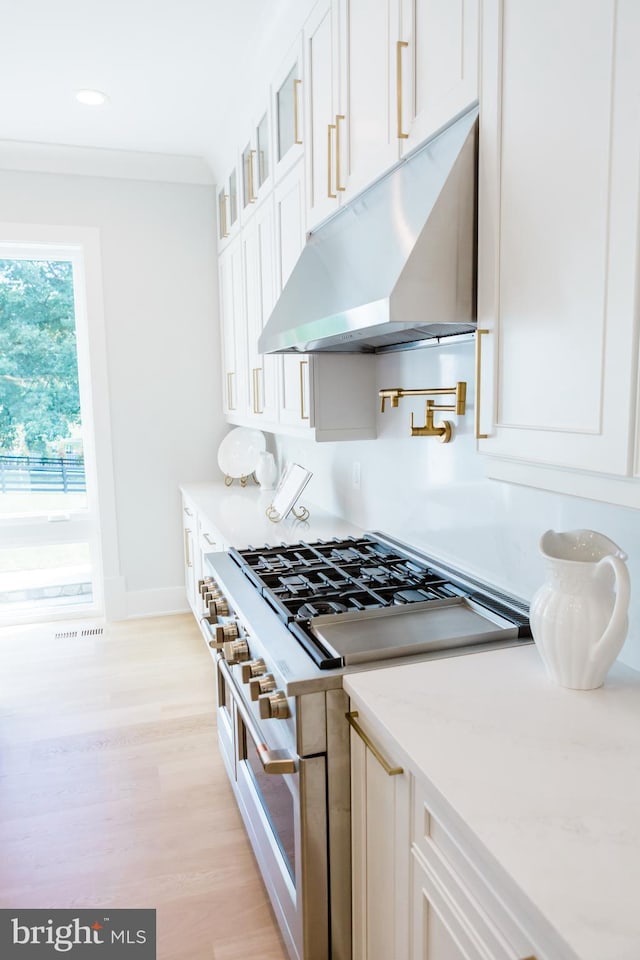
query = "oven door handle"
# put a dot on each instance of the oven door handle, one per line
(273, 761)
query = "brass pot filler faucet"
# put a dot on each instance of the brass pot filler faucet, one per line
(430, 429)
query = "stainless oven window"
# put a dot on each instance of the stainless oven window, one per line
(277, 802)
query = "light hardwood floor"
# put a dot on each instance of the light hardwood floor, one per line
(112, 791)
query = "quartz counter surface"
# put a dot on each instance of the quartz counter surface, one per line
(546, 780)
(238, 513)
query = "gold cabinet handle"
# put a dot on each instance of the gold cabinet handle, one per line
(255, 373)
(188, 512)
(252, 196)
(223, 215)
(352, 718)
(206, 537)
(296, 120)
(339, 117)
(230, 404)
(479, 335)
(187, 547)
(303, 415)
(330, 127)
(399, 46)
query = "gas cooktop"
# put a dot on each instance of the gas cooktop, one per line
(341, 600)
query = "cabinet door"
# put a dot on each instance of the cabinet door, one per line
(228, 211)
(256, 164)
(287, 111)
(295, 405)
(441, 928)
(380, 844)
(366, 141)
(259, 269)
(321, 81)
(234, 338)
(436, 64)
(558, 244)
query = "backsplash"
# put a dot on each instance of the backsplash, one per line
(437, 497)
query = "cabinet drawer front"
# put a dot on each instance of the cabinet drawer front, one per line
(458, 883)
(447, 921)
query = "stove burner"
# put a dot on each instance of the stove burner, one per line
(315, 608)
(294, 581)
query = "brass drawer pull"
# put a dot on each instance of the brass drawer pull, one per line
(330, 194)
(339, 186)
(384, 763)
(296, 119)
(230, 404)
(187, 547)
(399, 45)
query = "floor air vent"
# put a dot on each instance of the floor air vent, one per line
(78, 632)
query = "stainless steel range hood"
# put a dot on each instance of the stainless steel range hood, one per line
(394, 266)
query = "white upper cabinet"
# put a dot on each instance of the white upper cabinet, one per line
(256, 164)
(287, 108)
(366, 141)
(234, 334)
(259, 273)
(321, 106)
(380, 78)
(436, 66)
(228, 209)
(558, 242)
(289, 217)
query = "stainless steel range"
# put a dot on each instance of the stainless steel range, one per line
(284, 624)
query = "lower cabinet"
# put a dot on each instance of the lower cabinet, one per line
(380, 849)
(200, 538)
(192, 569)
(418, 891)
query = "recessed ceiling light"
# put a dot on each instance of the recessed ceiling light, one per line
(91, 98)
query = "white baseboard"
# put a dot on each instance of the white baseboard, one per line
(156, 603)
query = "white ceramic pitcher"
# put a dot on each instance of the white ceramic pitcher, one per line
(579, 615)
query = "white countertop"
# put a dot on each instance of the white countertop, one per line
(238, 513)
(547, 779)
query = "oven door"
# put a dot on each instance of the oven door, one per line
(282, 799)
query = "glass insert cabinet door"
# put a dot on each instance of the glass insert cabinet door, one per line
(228, 206)
(287, 113)
(288, 97)
(262, 151)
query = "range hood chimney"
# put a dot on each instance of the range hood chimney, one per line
(395, 265)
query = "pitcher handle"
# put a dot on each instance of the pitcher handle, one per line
(620, 608)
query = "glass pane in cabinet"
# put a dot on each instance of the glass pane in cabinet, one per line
(286, 113)
(233, 198)
(263, 150)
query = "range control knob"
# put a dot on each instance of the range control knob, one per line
(218, 607)
(222, 633)
(211, 593)
(205, 584)
(254, 668)
(260, 685)
(274, 706)
(235, 650)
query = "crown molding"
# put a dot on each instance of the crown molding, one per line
(99, 162)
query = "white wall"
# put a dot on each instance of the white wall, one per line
(160, 305)
(436, 496)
